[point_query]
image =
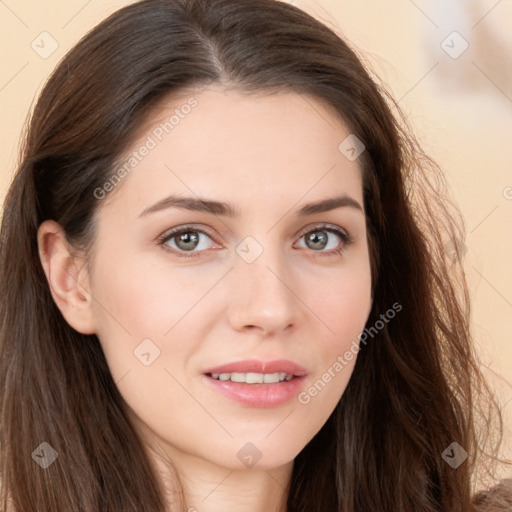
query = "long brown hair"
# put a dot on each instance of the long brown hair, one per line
(416, 387)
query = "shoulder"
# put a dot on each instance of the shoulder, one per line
(496, 499)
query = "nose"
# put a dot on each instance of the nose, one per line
(262, 297)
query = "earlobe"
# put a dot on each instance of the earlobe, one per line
(67, 277)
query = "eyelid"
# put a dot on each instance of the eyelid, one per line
(322, 225)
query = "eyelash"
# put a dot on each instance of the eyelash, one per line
(345, 237)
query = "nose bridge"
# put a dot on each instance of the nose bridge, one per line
(262, 266)
(264, 297)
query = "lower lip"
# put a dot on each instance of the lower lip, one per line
(258, 395)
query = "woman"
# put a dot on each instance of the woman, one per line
(224, 281)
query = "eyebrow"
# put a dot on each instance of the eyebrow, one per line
(199, 204)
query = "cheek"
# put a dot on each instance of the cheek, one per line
(138, 311)
(343, 309)
(146, 300)
(341, 301)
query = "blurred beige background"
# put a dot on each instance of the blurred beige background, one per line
(449, 63)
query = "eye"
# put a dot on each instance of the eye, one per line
(318, 239)
(185, 239)
(194, 241)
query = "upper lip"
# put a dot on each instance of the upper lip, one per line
(255, 366)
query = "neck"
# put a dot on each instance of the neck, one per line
(208, 487)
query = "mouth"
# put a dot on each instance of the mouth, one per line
(253, 378)
(254, 383)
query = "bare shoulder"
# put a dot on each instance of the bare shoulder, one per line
(496, 499)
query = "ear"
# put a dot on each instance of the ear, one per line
(67, 277)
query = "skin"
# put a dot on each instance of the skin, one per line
(268, 155)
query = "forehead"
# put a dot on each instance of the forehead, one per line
(219, 142)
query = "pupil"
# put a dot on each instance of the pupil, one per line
(314, 237)
(188, 238)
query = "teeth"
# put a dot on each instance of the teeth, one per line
(253, 378)
(250, 378)
(269, 378)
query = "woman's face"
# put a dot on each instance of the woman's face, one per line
(269, 282)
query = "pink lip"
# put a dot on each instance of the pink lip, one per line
(258, 395)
